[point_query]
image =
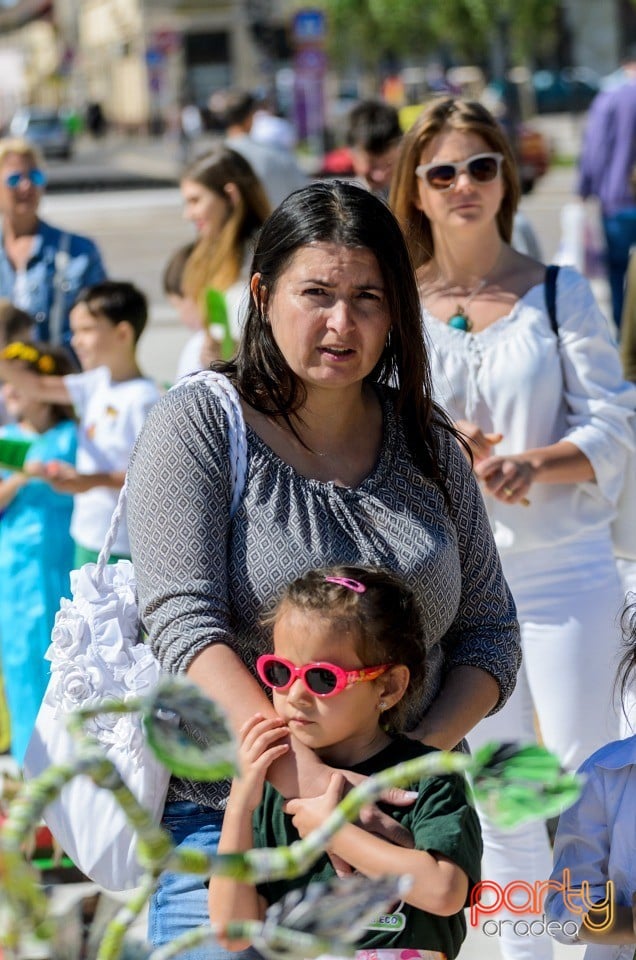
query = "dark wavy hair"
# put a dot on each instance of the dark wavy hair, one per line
(344, 214)
(385, 619)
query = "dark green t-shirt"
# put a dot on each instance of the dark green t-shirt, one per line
(442, 820)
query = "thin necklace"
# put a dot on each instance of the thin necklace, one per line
(460, 319)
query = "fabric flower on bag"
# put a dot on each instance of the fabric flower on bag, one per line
(95, 654)
(143, 672)
(70, 636)
(81, 683)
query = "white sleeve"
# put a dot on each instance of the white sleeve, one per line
(600, 402)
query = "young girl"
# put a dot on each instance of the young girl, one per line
(348, 663)
(36, 550)
(594, 876)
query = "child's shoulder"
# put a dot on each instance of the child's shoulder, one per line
(612, 756)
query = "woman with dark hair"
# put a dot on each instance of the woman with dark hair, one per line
(349, 461)
(523, 363)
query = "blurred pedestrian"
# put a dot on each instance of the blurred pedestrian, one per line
(227, 204)
(42, 268)
(373, 137)
(190, 128)
(276, 167)
(628, 321)
(606, 171)
(36, 549)
(548, 421)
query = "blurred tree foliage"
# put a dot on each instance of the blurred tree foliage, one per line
(465, 28)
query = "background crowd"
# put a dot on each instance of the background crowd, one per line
(420, 395)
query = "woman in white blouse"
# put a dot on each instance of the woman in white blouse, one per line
(547, 422)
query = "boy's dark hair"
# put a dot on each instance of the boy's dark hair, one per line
(15, 324)
(172, 276)
(385, 618)
(373, 126)
(232, 107)
(117, 300)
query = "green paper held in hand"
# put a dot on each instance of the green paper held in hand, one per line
(13, 452)
(217, 316)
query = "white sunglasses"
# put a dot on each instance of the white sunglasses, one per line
(481, 168)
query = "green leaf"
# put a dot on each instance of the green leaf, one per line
(515, 784)
(189, 732)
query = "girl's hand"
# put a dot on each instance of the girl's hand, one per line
(480, 443)
(506, 478)
(311, 812)
(259, 747)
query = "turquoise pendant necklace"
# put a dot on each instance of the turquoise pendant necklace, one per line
(460, 319)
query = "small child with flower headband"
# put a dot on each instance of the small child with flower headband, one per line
(111, 399)
(347, 664)
(36, 549)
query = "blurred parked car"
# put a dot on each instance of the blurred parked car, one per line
(570, 90)
(45, 128)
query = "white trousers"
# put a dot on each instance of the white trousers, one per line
(569, 602)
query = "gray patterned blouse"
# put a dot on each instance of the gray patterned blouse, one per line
(202, 580)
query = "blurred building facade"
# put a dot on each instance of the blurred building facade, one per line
(141, 60)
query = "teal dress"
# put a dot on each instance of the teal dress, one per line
(36, 557)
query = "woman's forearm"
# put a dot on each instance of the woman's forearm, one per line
(561, 462)
(467, 696)
(223, 676)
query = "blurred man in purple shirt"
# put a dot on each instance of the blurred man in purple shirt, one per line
(606, 171)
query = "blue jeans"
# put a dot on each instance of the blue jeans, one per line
(180, 901)
(620, 235)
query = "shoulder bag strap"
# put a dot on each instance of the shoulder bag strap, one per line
(237, 455)
(550, 283)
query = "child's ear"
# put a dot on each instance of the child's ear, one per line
(392, 685)
(126, 331)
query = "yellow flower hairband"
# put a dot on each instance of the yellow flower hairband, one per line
(30, 354)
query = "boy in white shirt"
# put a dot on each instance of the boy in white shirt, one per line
(111, 398)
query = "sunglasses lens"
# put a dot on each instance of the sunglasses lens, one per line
(276, 674)
(483, 169)
(321, 680)
(37, 178)
(13, 180)
(441, 176)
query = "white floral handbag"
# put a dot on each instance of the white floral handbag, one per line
(97, 653)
